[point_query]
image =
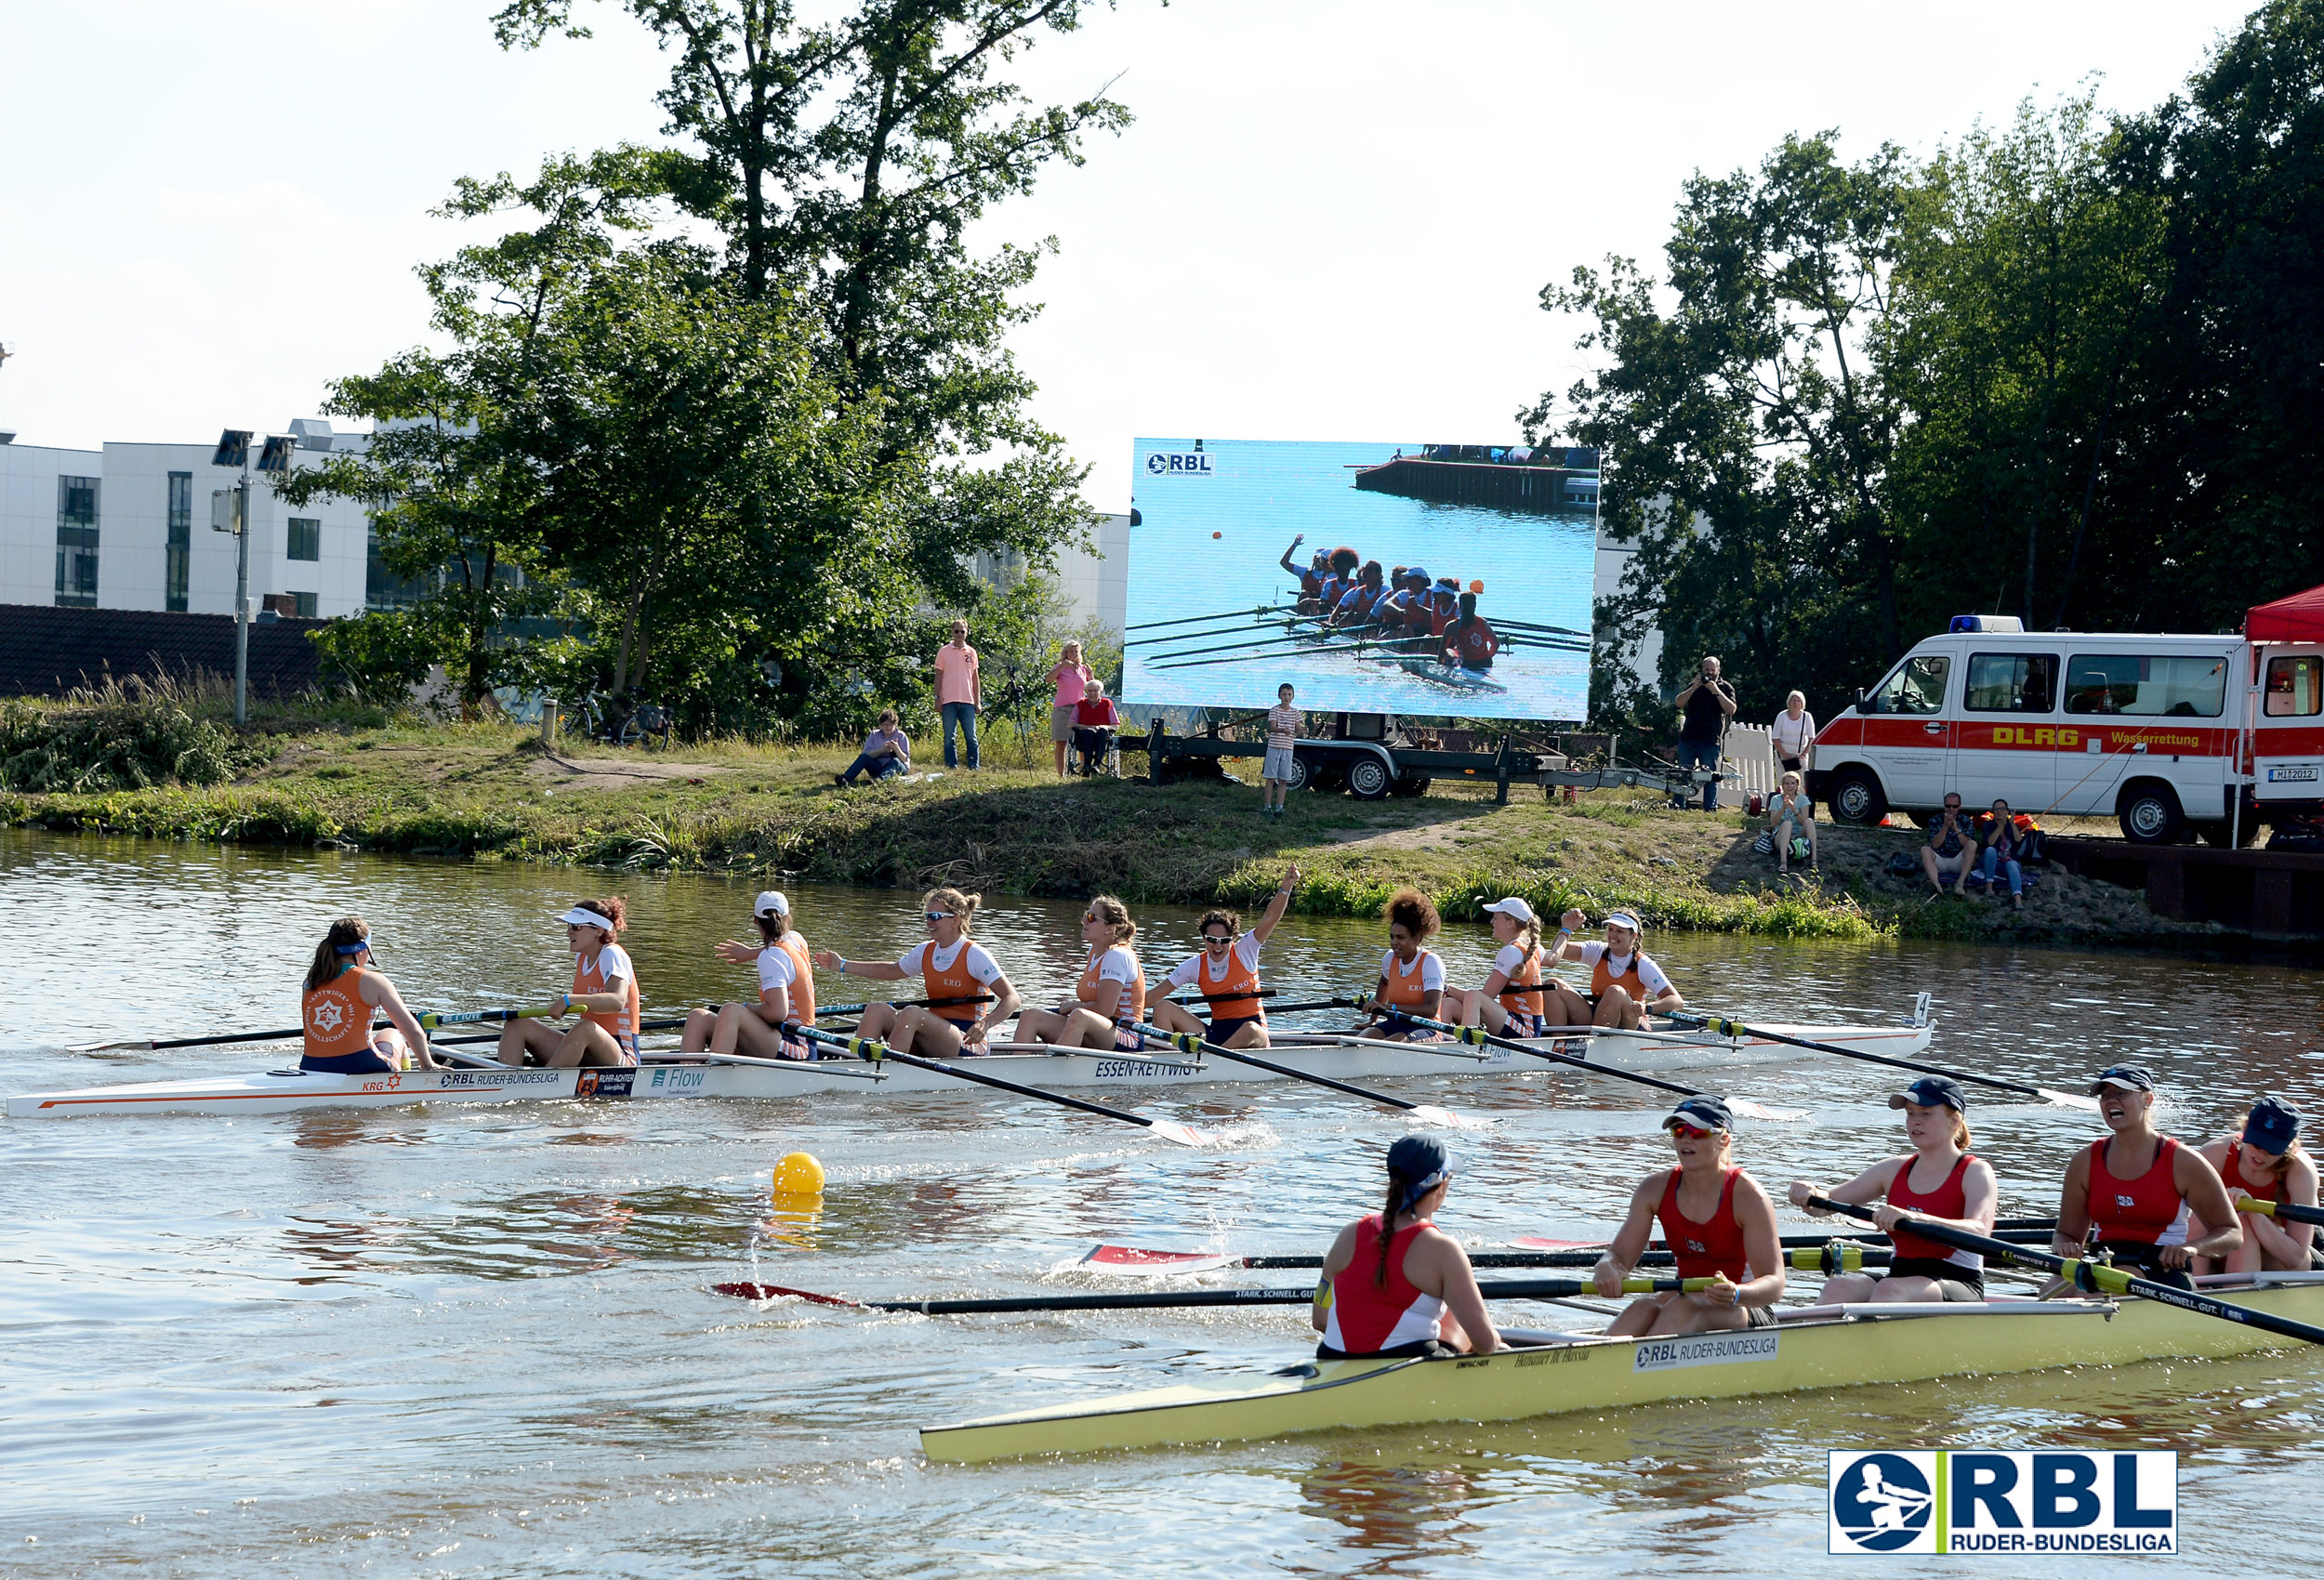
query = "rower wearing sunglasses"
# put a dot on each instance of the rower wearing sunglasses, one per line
(1719, 1225)
(955, 970)
(1108, 995)
(1226, 976)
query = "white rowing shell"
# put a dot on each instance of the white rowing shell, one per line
(286, 1091)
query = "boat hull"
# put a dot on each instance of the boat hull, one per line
(286, 1091)
(1602, 1374)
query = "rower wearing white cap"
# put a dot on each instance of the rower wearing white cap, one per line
(1510, 1004)
(786, 992)
(604, 990)
(1625, 986)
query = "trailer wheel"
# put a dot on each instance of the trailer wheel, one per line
(1368, 779)
(1303, 772)
(2149, 814)
(1856, 797)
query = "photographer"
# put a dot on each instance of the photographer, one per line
(1704, 708)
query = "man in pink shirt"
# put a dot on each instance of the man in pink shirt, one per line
(958, 692)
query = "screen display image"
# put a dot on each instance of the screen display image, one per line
(1417, 579)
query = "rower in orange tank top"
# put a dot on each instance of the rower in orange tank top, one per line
(1719, 1225)
(340, 996)
(1112, 989)
(786, 993)
(1411, 977)
(1510, 1002)
(968, 993)
(1223, 977)
(604, 991)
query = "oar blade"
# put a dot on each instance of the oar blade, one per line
(1429, 1113)
(2068, 1099)
(109, 1047)
(1750, 1109)
(1136, 1261)
(1184, 1135)
(747, 1291)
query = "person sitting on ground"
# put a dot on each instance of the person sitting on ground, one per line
(1792, 818)
(1952, 846)
(887, 752)
(1094, 725)
(2001, 843)
(1469, 641)
(1624, 984)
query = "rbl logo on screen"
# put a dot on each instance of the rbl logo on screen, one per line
(2019, 1502)
(1180, 463)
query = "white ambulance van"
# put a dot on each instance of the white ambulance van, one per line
(2166, 732)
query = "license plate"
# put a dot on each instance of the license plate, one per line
(2292, 776)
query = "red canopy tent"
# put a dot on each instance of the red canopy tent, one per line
(2299, 618)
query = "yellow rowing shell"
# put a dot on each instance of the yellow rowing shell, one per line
(1869, 1343)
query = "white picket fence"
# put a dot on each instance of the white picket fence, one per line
(1748, 754)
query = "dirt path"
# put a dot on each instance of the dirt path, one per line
(617, 774)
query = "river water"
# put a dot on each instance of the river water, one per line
(481, 1342)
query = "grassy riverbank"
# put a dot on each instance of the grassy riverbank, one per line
(491, 793)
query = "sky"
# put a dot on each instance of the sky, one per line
(1329, 220)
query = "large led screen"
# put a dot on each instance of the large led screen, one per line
(1446, 579)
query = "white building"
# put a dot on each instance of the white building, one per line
(129, 527)
(1094, 580)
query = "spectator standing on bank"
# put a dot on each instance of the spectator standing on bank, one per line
(1704, 708)
(1094, 725)
(1275, 772)
(1793, 734)
(959, 693)
(887, 752)
(1072, 678)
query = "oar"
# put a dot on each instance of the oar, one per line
(2290, 1212)
(2090, 1277)
(1822, 1255)
(822, 1009)
(1492, 1289)
(1744, 1106)
(1341, 1039)
(864, 1048)
(430, 1018)
(1427, 1113)
(1726, 1027)
(1197, 619)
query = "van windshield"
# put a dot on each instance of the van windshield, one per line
(1916, 686)
(2190, 687)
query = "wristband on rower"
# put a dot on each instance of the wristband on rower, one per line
(842, 965)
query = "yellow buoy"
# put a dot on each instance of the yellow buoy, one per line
(799, 1175)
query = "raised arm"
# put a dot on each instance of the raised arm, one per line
(1277, 904)
(877, 970)
(1287, 564)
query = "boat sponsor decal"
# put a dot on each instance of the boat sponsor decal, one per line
(1555, 1356)
(686, 1081)
(1706, 1350)
(2010, 1501)
(606, 1082)
(469, 1080)
(1130, 1069)
(1572, 1048)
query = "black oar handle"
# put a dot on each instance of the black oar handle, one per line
(867, 1048)
(1726, 1027)
(1160, 1299)
(2090, 1277)
(1186, 1043)
(1479, 1035)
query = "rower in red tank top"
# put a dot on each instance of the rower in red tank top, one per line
(1938, 1179)
(2139, 1193)
(1414, 1295)
(2266, 1162)
(1717, 1223)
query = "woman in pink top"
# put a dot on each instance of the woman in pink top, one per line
(958, 692)
(1071, 677)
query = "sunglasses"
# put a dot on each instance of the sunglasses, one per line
(933, 917)
(1691, 1132)
(1218, 938)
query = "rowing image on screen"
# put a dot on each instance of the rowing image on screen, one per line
(1429, 579)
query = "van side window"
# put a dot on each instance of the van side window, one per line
(2292, 689)
(2133, 683)
(2012, 682)
(1916, 686)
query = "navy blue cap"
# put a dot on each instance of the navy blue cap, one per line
(1702, 1110)
(1419, 571)
(2273, 1125)
(1930, 1091)
(2123, 1079)
(1421, 1163)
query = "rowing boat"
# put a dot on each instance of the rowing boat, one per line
(1458, 677)
(1829, 1347)
(292, 1090)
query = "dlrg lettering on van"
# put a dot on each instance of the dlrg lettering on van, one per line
(2166, 732)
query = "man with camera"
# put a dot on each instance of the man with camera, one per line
(1704, 708)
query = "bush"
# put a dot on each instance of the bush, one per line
(126, 737)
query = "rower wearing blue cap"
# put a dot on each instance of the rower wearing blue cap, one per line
(1396, 1285)
(1940, 1181)
(1716, 1221)
(2145, 1198)
(2265, 1161)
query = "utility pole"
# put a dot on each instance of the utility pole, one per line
(233, 450)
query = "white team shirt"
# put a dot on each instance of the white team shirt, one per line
(981, 966)
(1431, 970)
(1649, 974)
(777, 969)
(1509, 961)
(1245, 949)
(612, 965)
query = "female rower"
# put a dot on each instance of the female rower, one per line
(786, 993)
(1112, 989)
(958, 973)
(1938, 1180)
(1470, 642)
(341, 993)
(1510, 1004)
(1625, 986)
(1411, 977)
(1226, 976)
(1719, 1225)
(1393, 1283)
(2267, 1164)
(604, 990)
(2140, 1193)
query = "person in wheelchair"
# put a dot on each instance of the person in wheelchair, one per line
(1095, 723)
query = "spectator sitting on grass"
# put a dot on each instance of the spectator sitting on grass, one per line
(1951, 849)
(887, 752)
(2001, 842)
(1792, 818)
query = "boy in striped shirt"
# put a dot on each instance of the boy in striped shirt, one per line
(1283, 727)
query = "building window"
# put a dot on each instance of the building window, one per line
(76, 543)
(306, 538)
(181, 542)
(304, 604)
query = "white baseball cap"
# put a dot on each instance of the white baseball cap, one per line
(1512, 906)
(772, 904)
